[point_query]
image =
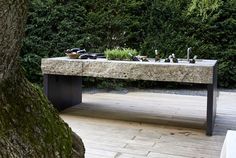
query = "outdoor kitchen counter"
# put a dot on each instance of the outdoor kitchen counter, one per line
(200, 72)
(63, 77)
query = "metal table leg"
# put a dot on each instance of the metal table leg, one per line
(212, 94)
(63, 91)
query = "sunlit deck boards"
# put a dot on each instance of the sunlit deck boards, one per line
(105, 137)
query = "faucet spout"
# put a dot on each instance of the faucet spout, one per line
(189, 50)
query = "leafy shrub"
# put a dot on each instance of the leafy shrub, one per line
(170, 26)
(227, 68)
(52, 27)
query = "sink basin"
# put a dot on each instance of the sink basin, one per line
(180, 60)
(185, 60)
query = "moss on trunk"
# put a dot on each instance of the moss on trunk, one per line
(30, 126)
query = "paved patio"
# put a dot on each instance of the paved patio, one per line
(150, 124)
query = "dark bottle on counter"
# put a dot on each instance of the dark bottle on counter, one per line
(174, 59)
(157, 56)
(193, 61)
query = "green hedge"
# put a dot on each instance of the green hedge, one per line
(170, 26)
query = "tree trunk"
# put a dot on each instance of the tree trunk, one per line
(29, 125)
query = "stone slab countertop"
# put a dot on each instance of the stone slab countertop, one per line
(200, 72)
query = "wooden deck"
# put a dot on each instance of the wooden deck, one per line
(144, 124)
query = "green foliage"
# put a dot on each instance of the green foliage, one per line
(111, 84)
(204, 8)
(120, 54)
(51, 28)
(227, 68)
(31, 62)
(114, 23)
(170, 26)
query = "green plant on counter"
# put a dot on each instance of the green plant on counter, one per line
(120, 54)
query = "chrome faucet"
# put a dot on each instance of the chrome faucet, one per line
(189, 50)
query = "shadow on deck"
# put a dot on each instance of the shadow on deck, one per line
(134, 124)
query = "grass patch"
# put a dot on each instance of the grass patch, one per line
(120, 54)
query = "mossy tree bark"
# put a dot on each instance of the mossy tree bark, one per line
(29, 125)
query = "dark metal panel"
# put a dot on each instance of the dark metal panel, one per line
(45, 84)
(63, 91)
(212, 94)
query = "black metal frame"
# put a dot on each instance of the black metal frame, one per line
(212, 94)
(63, 91)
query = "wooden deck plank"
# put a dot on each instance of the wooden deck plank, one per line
(159, 155)
(114, 125)
(161, 109)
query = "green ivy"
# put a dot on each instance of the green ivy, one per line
(170, 26)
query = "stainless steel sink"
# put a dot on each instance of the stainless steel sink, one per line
(186, 61)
